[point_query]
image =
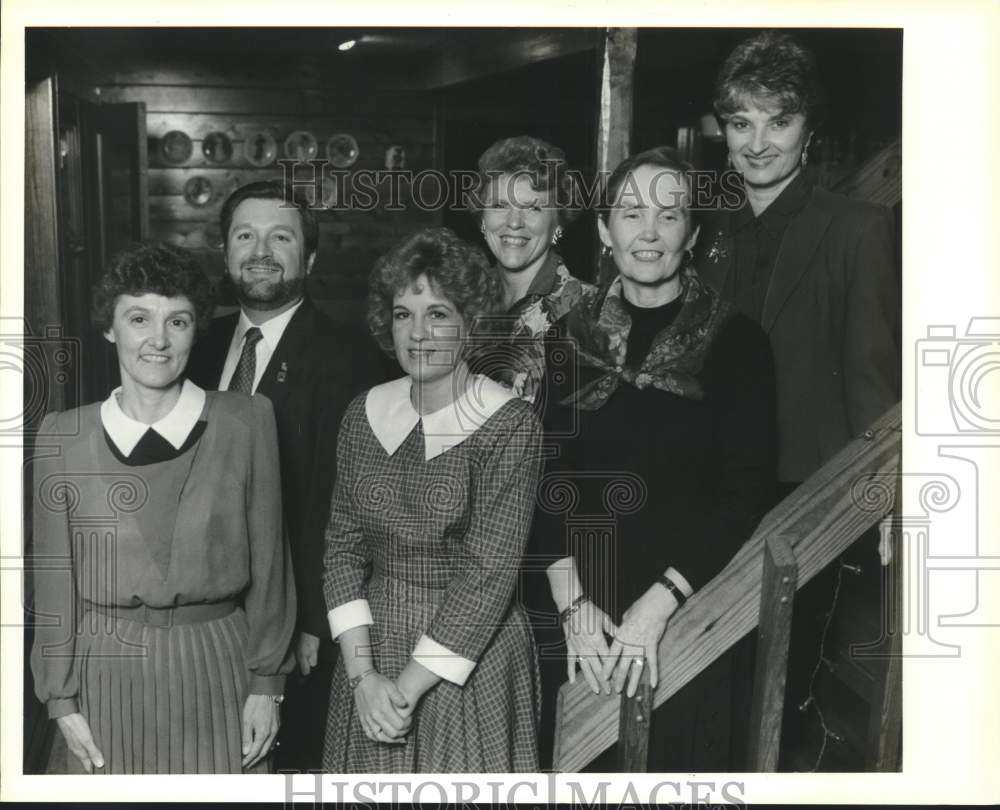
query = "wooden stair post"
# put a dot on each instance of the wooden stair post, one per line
(633, 727)
(774, 631)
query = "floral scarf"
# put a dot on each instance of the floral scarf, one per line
(600, 324)
(552, 295)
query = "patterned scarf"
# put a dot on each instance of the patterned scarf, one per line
(674, 360)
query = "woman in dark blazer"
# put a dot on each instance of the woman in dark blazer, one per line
(813, 268)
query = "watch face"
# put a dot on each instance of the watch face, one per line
(176, 147)
(342, 150)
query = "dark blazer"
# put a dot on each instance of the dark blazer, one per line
(315, 371)
(832, 312)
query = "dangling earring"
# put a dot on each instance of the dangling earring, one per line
(605, 251)
(805, 158)
(689, 256)
(557, 235)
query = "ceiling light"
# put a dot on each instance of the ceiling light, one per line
(347, 45)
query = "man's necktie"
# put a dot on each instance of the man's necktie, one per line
(246, 368)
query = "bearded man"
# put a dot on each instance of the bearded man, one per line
(281, 346)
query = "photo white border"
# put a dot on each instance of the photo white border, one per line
(952, 706)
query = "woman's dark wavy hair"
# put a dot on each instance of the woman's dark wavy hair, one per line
(457, 270)
(545, 166)
(153, 267)
(661, 157)
(770, 69)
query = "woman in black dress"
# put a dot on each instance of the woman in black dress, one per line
(671, 464)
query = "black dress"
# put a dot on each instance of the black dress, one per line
(663, 480)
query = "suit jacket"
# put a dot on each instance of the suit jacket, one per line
(832, 311)
(315, 371)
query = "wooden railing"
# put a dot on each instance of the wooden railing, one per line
(813, 526)
(879, 179)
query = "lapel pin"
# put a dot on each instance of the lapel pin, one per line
(283, 372)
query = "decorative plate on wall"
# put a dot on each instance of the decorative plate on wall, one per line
(261, 148)
(301, 145)
(176, 147)
(342, 150)
(217, 147)
(198, 191)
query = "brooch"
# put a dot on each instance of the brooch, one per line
(716, 251)
(283, 372)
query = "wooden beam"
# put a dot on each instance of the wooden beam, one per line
(614, 126)
(852, 492)
(774, 634)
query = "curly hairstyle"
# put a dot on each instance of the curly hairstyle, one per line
(153, 267)
(770, 69)
(272, 190)
(542, 163)
(662, 157)
(455, 269)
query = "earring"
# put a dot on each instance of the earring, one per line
(557, 235)
(605, 251)
(482, 228)
(805, 158)
(689, 256)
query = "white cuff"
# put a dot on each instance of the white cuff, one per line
(677, 578)
(348, 616)
(442, 661)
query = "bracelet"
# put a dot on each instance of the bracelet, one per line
(353, 682)
(668, 583)
(574, 606)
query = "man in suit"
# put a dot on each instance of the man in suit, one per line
(280, 345)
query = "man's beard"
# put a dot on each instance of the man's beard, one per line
(267, 294)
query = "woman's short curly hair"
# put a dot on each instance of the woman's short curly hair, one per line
(457, 271)
(153, 267)
(542, 163)
(770, 69)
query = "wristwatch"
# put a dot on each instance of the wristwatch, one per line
(279, 699)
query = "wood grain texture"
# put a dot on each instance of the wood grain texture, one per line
(774, 633)
(824, 517)
(634, 719)
(880, 179)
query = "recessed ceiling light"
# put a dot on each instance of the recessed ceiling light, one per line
(347, 45)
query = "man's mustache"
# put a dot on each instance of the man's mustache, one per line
(262, 261)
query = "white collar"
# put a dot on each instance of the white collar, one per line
(271, 330)
(175, 427)
(392, 416)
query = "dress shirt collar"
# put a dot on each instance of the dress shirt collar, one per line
(786, 205)
(392, 416)
(271, 330)
(175, 427)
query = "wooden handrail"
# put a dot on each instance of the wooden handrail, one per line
(879, 179)
(820, 519)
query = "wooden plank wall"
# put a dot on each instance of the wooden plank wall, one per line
(200, 101)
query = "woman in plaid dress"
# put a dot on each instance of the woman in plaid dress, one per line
(436, 475)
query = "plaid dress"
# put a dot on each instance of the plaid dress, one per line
(434, 545)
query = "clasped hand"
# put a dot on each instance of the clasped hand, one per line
(386, 714)
(636, 642)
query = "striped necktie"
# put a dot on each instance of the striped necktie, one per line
(246, 368)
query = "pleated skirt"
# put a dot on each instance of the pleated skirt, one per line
(164, 700)
(488, 725)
